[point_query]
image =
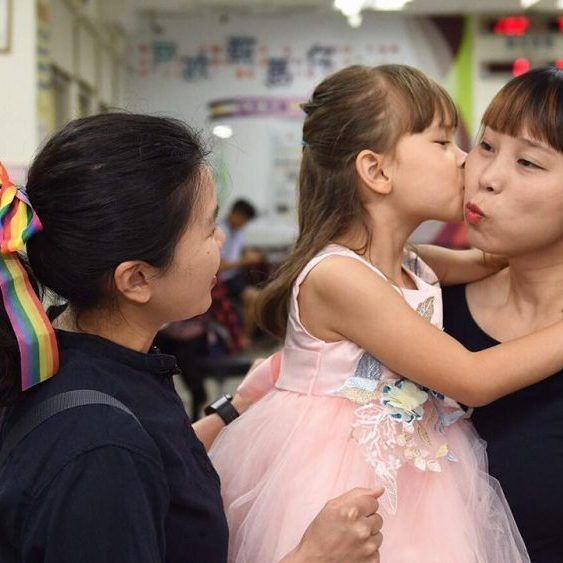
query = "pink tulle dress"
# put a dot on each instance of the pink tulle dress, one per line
(338, 419)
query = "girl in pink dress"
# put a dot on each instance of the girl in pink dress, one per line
(368, 382)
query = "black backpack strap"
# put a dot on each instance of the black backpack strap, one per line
(52, 406)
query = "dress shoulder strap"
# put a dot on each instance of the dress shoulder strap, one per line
(331, 250)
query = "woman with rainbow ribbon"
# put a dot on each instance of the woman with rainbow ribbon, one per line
(100, 463)
(36, 338)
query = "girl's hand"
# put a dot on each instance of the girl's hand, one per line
(454, 267)
(495, 262)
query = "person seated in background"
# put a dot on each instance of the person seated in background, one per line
(235, 260)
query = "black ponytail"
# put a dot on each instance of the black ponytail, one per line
(107, 189)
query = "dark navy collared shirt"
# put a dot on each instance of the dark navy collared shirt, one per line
(90, 485)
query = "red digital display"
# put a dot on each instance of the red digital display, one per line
(558, 64)
(520, 66)
(512, 25)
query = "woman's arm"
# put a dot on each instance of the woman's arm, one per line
(453, 267)
(208, 427)
(343, 299)
(257, 382)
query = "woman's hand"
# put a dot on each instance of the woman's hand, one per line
(347, 529)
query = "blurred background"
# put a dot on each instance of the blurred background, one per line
(238, 70)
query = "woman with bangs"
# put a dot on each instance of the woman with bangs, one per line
(369, 384)
(514, 207)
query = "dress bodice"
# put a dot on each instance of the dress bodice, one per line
(312, 366)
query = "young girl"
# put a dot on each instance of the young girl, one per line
(98, 460)
(368, 382)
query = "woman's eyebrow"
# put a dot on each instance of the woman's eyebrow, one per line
(535, 145)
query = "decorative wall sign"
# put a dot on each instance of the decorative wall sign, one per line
(244, 58)
(260, 106)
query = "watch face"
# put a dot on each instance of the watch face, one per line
(222, 400)
(218, 403)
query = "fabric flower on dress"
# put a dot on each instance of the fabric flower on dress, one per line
(404, 400)
(426, 309)
(361, 388)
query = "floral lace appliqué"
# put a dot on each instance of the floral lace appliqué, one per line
(403, 423)
(399, 422)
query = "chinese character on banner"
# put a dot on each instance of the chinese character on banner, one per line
(163, 52)
(196, 67)
(144, 62)
(321, 57)
(278, 72)
(241, 50)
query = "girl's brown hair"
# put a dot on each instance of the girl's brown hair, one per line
(352, 110)
(531, 103)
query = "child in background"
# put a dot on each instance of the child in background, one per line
(368, 382)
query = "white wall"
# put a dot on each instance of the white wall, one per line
(86, 49)
(249, 155)
(88, 52)
(17, 94)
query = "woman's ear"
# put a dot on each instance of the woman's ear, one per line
(132, 281)
(371, 168)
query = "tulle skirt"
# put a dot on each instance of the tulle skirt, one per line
(290, 453)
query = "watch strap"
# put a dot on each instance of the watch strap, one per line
(224, 408)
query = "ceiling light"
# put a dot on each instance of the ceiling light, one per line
(223, 131)
(528, 3)
(349, 7)
(356, 20)
(388, 4)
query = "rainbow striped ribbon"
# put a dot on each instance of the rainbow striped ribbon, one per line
(37, 344)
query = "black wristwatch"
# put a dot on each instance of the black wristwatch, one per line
(224, 408)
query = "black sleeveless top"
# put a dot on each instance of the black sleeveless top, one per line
(524, 434)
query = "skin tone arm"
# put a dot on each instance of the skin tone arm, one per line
(208, 427)
(453, 267)
(343, 299)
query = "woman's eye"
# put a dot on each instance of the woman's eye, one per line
(485, 146)
(443, 143)
(527, 164)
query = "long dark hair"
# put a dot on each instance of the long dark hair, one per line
(356, 108)
(107, 189)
